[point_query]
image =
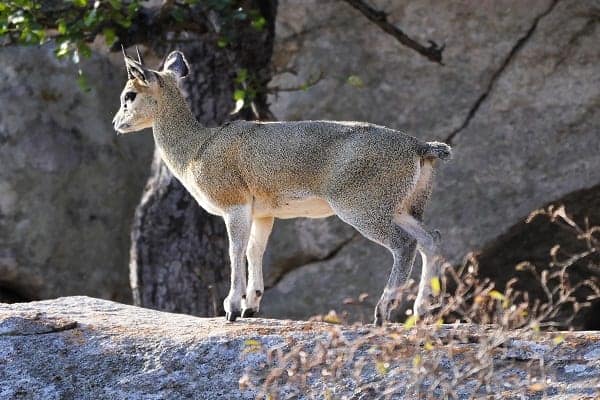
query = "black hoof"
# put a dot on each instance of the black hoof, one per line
(378, 321)
(232, 316)
(248, 313)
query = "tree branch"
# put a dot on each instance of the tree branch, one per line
(433, 52)
(312, 81)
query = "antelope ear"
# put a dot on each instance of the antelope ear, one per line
(177, 64)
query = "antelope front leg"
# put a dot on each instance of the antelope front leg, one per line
(259, 235)
(238, 223)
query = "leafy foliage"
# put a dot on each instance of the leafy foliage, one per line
(74, 24)
(474, 340)
(71, 23)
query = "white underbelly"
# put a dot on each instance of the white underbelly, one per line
(309, 207)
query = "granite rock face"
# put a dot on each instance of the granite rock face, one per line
(300, 241)
(518, 99)
(85, 348)
(358, 268)
(68, 185)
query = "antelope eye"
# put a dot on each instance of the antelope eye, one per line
(130, 96)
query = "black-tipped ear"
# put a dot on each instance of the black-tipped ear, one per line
(177, 64)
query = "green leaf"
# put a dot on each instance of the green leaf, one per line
(109, 36)
(62, 27)
(26, 36)
(116, 4)
(80, 3)
(84, 50)
(222, 42)
(356, 81)
(259, 23)
(40, 34)
(125, 22)
(242, 75)
(83, 82)
(239, 94)
(177, 14)
(133, 7)
(91, 17)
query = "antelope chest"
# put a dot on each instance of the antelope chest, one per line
(205, 202)
(202, 198)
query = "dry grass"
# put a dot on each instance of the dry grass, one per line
(463, 348)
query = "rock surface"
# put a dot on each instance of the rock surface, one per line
(85, 348)
(68, 185)
(518, 98)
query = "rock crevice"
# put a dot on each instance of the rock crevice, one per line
(496, 75)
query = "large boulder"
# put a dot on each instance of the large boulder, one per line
(517, 98)
(543, 241)
(350, 281)
(84, 348)
(68, 185)
(300, 241)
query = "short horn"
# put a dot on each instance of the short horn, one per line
(129, 74)
(139, 55)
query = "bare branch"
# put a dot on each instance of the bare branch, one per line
(433, 52)
(312, 81)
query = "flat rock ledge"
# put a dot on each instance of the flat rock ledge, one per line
(86, 348)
